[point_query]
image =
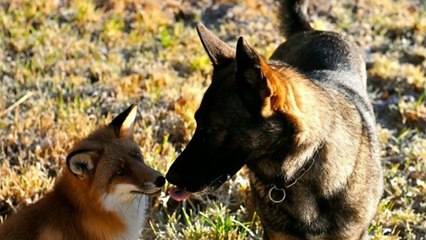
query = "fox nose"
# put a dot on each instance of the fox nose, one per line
(160, 181)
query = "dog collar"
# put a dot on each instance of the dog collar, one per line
(279, 186)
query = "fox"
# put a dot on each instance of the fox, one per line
(300, 122)
(101, 193)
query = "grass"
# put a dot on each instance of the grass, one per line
(68, 66)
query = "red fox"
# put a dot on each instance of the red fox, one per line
(101, 193)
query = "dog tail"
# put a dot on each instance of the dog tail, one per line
(293, 16)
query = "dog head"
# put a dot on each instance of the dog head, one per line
(242, 117)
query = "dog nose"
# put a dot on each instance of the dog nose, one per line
(173, 177)
(160, 181)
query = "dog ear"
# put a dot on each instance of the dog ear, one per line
(255, 77)
(81, 162)
(124, 122)
(219, 52)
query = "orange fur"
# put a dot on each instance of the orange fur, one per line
(99, 195)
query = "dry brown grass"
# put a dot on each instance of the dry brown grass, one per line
(64, 69)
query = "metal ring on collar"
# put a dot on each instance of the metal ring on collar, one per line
(278, 189)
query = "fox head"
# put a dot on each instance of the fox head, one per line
(109, 164)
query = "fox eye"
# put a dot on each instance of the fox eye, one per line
(138, 156)
(120, 172)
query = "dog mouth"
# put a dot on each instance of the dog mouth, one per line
(179, 194)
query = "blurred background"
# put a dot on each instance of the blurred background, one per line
(68, 66)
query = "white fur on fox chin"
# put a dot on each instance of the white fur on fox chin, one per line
(131, 208)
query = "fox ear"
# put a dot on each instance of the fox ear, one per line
(219, 52)
(253, 74)
(81, 162)
(124, 122)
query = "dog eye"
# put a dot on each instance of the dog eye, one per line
(215, 128)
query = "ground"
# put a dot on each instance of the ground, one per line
(69, 66)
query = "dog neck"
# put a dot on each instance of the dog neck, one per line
(280, 182)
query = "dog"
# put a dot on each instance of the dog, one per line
(101, 194)
(301, 122)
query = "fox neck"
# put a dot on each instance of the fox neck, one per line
(130, 209)
(100, 216)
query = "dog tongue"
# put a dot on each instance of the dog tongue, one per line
(178, 194)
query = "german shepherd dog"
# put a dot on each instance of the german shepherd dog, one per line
(302, 124)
